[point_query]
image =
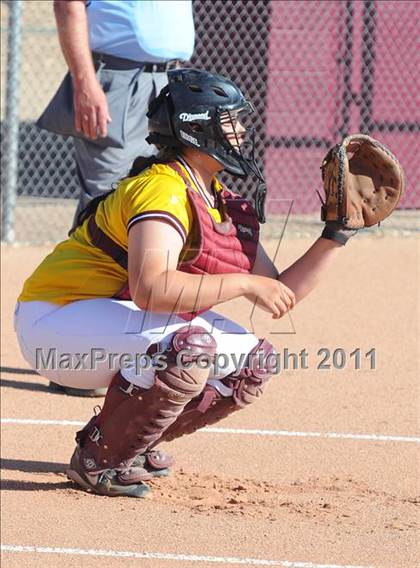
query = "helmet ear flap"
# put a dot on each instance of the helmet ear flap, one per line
(195, 127)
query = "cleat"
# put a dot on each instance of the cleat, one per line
(104, 483)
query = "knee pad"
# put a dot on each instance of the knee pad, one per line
(249, 382)
(182, 373)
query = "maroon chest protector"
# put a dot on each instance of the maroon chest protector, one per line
(226, 247)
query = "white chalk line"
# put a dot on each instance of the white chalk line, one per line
(163, 556)
(239, 431)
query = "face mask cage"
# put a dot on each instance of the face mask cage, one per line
(238, 135)
(236, 126)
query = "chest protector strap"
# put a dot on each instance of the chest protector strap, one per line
(106, 244)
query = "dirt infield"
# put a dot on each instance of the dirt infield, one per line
(321, 472)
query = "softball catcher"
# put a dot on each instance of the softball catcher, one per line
(149, 260)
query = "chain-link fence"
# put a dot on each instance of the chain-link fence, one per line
(315, 71)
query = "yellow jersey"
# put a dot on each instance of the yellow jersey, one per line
(77, 270)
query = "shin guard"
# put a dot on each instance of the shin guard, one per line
(210, 406)
(133, 418)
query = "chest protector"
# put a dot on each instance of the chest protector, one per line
(226, 247)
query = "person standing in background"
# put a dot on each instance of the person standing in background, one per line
(118, 54)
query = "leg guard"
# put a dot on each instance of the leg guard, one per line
(249, 383)
(210, 407)
(133, 418)
(147, 465)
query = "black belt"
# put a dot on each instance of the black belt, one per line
(113, 62)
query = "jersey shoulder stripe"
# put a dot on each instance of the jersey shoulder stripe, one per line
(159, 215)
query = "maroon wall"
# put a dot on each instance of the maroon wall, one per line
(337, 68)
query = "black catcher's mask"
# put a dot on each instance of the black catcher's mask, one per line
(197, 109)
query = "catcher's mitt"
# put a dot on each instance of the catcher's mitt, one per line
(363, 182)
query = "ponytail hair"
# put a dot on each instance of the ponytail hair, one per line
(165, 155)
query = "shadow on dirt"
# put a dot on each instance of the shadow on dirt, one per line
(29, 466)
(17, 485)
(24, 385)
(37, 467)
(18, 371)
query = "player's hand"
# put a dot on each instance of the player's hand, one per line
(270, 295)
(91, 109)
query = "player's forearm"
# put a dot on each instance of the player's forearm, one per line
(73, 34)
(179, 292)
(305, 274)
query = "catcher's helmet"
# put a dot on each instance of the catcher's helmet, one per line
(193, 109)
